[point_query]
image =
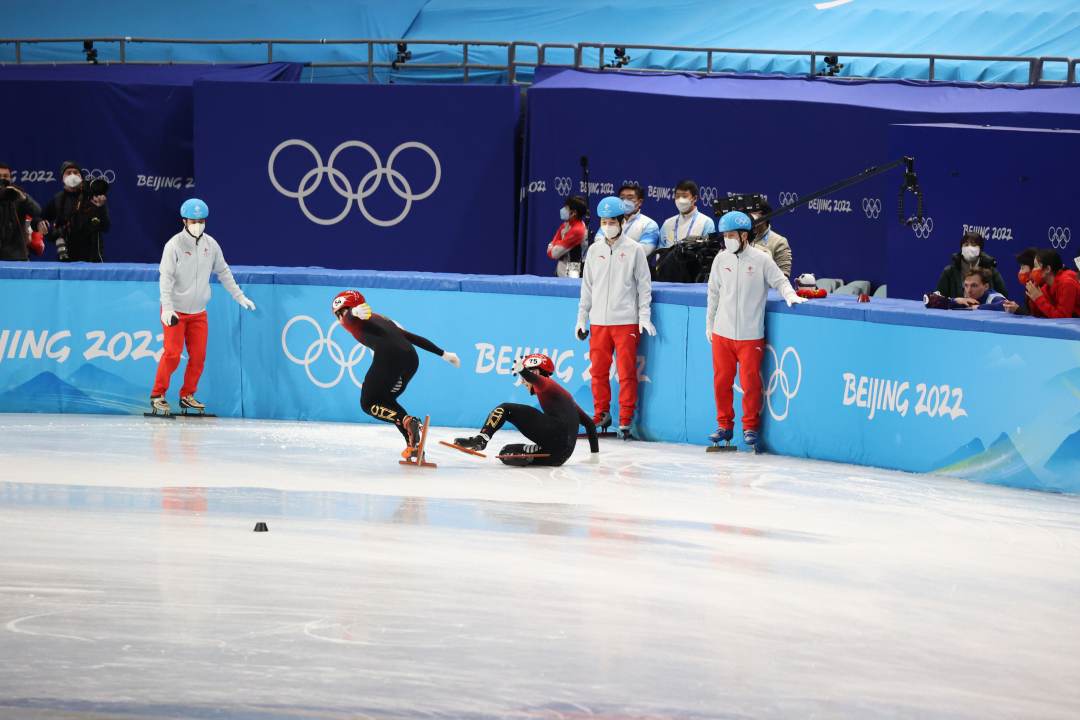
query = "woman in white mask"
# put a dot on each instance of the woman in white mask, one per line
(971, 256)
(186, 263)
(689, 222)
(616, 306)
(739, 282)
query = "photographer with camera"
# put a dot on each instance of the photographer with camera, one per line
(20, 218)
(767, 239)
(78, 217)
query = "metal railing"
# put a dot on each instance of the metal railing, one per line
(514, 64)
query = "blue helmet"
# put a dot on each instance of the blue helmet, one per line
(611, 207)
(194, 209)
(735, 220)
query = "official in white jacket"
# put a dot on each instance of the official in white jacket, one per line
(616, 300)
(186, 263)
(739, 282)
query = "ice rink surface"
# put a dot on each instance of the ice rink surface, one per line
(660, 582)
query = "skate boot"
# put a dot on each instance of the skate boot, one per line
(519, 454)
(412, 428)
(188, 402)
(750, 437)
(475, 443)
(624, 433)
(721, 441)
(159, 405)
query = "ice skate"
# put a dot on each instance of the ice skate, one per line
(190, 407)
(520, 455)
(721, 441)
(159, 407)
(470, 445)
(602, 423)
(413, 454)
(750, 437)
(624, 433)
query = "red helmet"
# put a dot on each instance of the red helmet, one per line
(539, 362)
(345, 300)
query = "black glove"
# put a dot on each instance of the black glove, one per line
(582, 333)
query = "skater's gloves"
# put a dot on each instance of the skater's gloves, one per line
(646, 326)
(361, 312)
(449, 357)
(794, 300)
(594, 458)
(581, 331)
(708, 335)
(245, 302)
(168, 318)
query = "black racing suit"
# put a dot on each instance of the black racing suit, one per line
(392, 367)
(77, 226)
(13, 216)
(555, 429)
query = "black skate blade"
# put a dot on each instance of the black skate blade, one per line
(163, 416)
(720, 448)
(465, 450)
(196, 415)
(522, 456)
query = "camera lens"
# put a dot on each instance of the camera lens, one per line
(99, 187)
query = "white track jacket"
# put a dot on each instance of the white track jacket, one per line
(738, 287)
(615, 288)
(185, 268)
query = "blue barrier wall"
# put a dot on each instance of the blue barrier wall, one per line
(975, 395)
(414, 177)
(1014, 185)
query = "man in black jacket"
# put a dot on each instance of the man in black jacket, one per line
(78, 219)
(971, 257)
(15, 206)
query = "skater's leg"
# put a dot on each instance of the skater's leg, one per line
(547, 435)
(384, 382)
(170, 357)
(626, 345)
(723, 359)
(601, 345)
(750, 353)
(195, 332)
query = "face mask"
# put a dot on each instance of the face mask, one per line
(731, 244)
(1077, 261)
(970, 252)
(1037, 276)
(196, 229)
(630, 206)
(1023, 277)
(684, 204)
(564, 214)
(612, 231)
(73, 180)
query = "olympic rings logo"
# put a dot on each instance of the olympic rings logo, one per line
(871, 207)
(563, 185)
(367, 186)
(1059, 237)
(923, 228)
(787, 198)
(315, 350)
(780, 382)
(709, 195)
(108, 176)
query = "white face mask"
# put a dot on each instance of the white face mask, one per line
(970, 252)
(684, 204)
(630, 206)
(611, 231)
(564, 214)
(73, 180)
(196, 229)
(732, 244)
(1077, 261)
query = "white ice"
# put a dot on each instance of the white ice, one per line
(659, 583)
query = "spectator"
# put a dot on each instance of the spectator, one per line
(565, 247)
(1025, 261)
(978, 294)
(1052, 289)
(771, 241)
(616, 301)
(78, 219)
(971, 255)
(639, 227)
(689, 222)
(15, 207)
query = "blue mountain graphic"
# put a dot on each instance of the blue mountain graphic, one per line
(46, 392)
(1000, 464)
(1066, 459)
(962, 453)
(109, 389)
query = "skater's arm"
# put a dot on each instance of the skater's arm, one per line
(714, 297)
(776, 278)
(224, 274)
(644, 285)
(167, 268)
(590, 428)
(585, 303)
(422, 343)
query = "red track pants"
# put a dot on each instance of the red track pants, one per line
(623, 341)
(190, 330)
(747, 354)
